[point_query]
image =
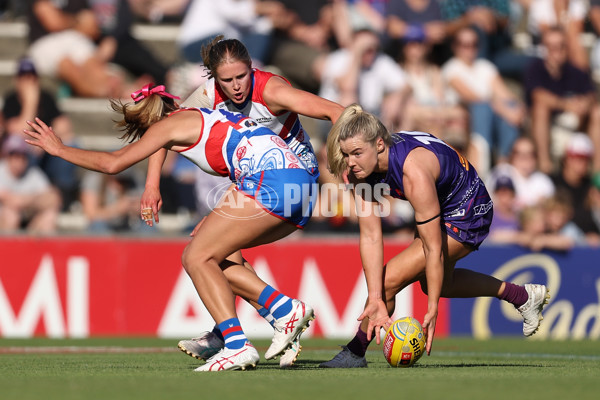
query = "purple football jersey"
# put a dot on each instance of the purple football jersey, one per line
(466, 206)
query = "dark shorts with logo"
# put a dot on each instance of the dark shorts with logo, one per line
(474, 227)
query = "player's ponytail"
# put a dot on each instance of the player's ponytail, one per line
(141, 115)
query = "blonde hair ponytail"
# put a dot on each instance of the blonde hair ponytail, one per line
(141, 115)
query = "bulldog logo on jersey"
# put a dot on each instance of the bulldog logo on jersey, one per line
(279, 142)
(240, 152)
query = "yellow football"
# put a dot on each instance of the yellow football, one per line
(404, 342)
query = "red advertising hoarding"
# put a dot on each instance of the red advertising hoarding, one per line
(83, 287)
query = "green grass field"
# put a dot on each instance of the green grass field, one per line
(459, 368)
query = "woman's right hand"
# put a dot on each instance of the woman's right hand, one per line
(42, 136)
(376, 312)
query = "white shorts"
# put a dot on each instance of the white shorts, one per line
(48, 51)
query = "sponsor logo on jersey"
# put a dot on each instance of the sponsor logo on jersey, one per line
(482, 209)
(458, 213)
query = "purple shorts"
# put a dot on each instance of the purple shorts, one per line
(473, 228)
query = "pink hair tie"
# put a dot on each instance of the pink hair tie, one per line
(146, 91)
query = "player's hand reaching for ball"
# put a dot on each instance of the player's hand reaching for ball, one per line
(376, 312)
(429, 327)
(42, 136)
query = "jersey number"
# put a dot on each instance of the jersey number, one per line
(427, 139)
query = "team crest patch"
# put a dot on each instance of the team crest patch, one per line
(278, 141)
(241, 152)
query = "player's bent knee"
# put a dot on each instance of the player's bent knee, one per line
(197, 259)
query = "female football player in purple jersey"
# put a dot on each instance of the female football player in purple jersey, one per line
(259, 164)
(269, 99)
(453, 212)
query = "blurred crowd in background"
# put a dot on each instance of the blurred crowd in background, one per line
(511, 84)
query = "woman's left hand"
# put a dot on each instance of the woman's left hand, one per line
(150, 205)
(376, 312)
(43, 137)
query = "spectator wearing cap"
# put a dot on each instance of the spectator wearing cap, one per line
(27, 100)
(27, 198)
(505, 223)
(573, 181)
(545, 226)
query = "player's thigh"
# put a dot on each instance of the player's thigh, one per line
(454, 250)
(409, 265)
(234, 226)
(405, 268)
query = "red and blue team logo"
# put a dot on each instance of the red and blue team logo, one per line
(249, 123)
(291, 157)
(240, 152)
(278, 141)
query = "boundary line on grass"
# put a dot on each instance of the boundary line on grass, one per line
(132, 350)
(83, 349)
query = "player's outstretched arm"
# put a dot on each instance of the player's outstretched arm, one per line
(42, 136)
(280, 96)
(371, 254)
(421, 170)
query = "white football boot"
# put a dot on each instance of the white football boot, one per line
(289, 357)
(345, 359)
(202, 347)
(231, 359)
(289, 327)
(531, 311)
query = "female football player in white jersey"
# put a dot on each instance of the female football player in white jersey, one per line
(262, 168)
(268, 98)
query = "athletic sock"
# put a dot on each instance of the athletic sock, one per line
(514, 294)
(217, 332)
(263, 312)
(276, 303)
(358, 345)
(233, 334)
